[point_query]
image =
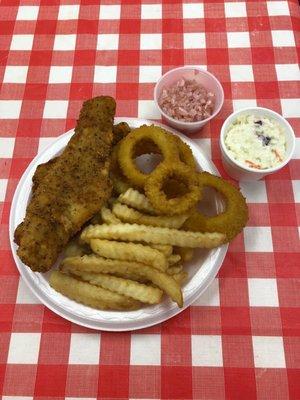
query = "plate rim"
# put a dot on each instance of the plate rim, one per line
(100, 324)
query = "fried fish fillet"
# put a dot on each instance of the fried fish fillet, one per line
(119, 132)
(72, 189)
(41, 171)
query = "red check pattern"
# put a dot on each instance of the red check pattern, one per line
(241, 339)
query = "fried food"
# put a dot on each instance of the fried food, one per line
(90, 295)
(185, 153)
(138, 291)
(231, 221)
(151, 234)
(185, 253)
(130, 252)
(132, 216)
(41, 171)
(108, 217)
(126, 153)
(180, 277)
(74, 248)
(96, 264)
(177, 205)
(80, 265)
(74, 189)
(174, 269)
(120, 131)
(120, 182)
(166, 249)
(133, 198)
(174, 188)
(174, 259)
(137, 246)
(146, 146)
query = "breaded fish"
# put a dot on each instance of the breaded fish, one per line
(41, 171)
(119, 132)
(72, 189)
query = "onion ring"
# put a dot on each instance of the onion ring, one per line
(120, 182)
(185, 153)
(174, 188)
(159, 199)
(146, 147)
(184, 150)
(231, 221)
(128, 145)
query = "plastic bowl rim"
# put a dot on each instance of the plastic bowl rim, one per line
(255, 170)
(196, 123)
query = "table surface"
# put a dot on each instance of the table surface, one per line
(240, 340)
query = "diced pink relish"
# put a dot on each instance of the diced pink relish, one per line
(187, 101)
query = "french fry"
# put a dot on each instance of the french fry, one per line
(174, 259)
(75, 249)
(93, 263)
(90, 295)
(137, 200)
(151, 234)
(175, 269)
(130, 252)
(100, 265)
(185, 253)
(166, 249)
(108, 217)
(127, 214)
(180, 277)
(126, 287)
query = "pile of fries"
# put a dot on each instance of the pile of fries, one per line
(129, 256)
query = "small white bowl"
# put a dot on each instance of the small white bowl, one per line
(240, 171)
(205, 78)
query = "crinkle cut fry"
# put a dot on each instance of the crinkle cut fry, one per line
(180, 277)
(185, 253)
(125, 287)
(127, 214)
(90, 295)
(129, 252)
(174, 269)
(150, 234)
(166, 249)
(92, 263)
(96, 264)
(133, 198)
(108, 217)
(174, 259)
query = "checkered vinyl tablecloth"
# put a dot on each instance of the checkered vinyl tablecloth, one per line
(240, 340)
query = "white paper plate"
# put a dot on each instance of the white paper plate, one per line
(202, 269)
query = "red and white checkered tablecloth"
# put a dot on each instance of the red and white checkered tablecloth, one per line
(240, 340)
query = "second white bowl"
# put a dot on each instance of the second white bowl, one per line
(240, 171)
